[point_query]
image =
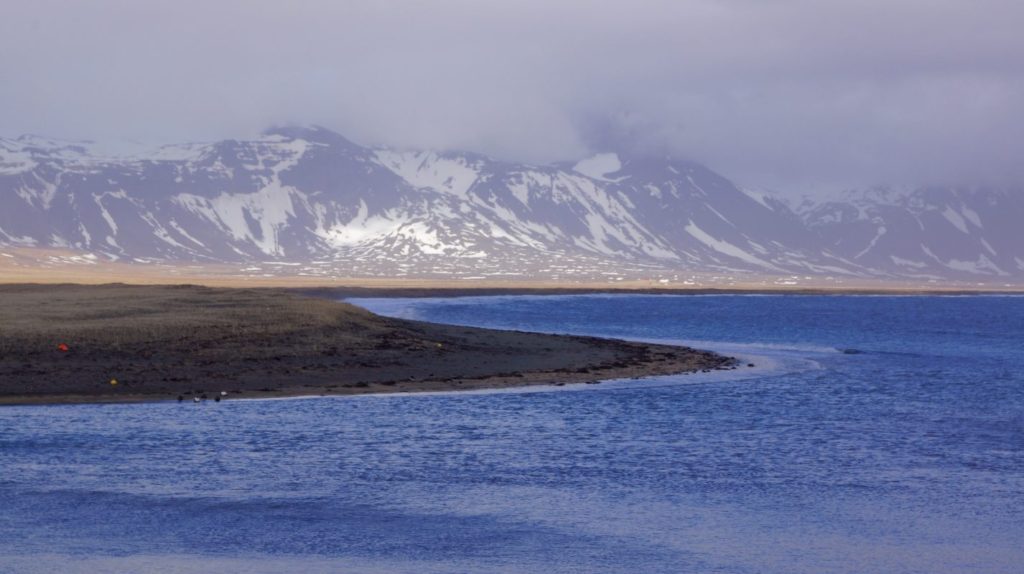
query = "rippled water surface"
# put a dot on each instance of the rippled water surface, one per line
(903, 454)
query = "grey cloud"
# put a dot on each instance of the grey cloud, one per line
(788, 93)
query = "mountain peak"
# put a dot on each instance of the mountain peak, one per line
(310, 133)
(599, 166)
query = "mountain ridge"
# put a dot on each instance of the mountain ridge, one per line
(309, 195)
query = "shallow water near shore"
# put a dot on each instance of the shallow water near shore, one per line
(874, 434)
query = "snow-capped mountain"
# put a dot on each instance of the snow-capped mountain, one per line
(925, 232)
(308, 196)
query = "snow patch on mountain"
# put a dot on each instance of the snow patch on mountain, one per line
(452, 175)
(363, 228)
(758, 196)
(874, 241)
(98, 198)
(599, 166)
(14, 159)
(725, 247)
(956, 219)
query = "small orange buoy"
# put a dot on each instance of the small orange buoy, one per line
(113, 382)
(63, 348)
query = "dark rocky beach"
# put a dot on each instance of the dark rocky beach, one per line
(117, 343)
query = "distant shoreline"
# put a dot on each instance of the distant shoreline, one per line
(353, 292)
(54, 267)
(158, 343)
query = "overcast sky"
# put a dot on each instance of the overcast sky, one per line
(775, 93)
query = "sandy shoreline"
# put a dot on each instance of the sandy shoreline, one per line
(23, 265)
(146, 343)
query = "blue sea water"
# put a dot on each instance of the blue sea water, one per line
(903, 454)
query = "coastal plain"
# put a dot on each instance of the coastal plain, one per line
(118, 343)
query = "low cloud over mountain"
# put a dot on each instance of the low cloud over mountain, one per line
(308, 196)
